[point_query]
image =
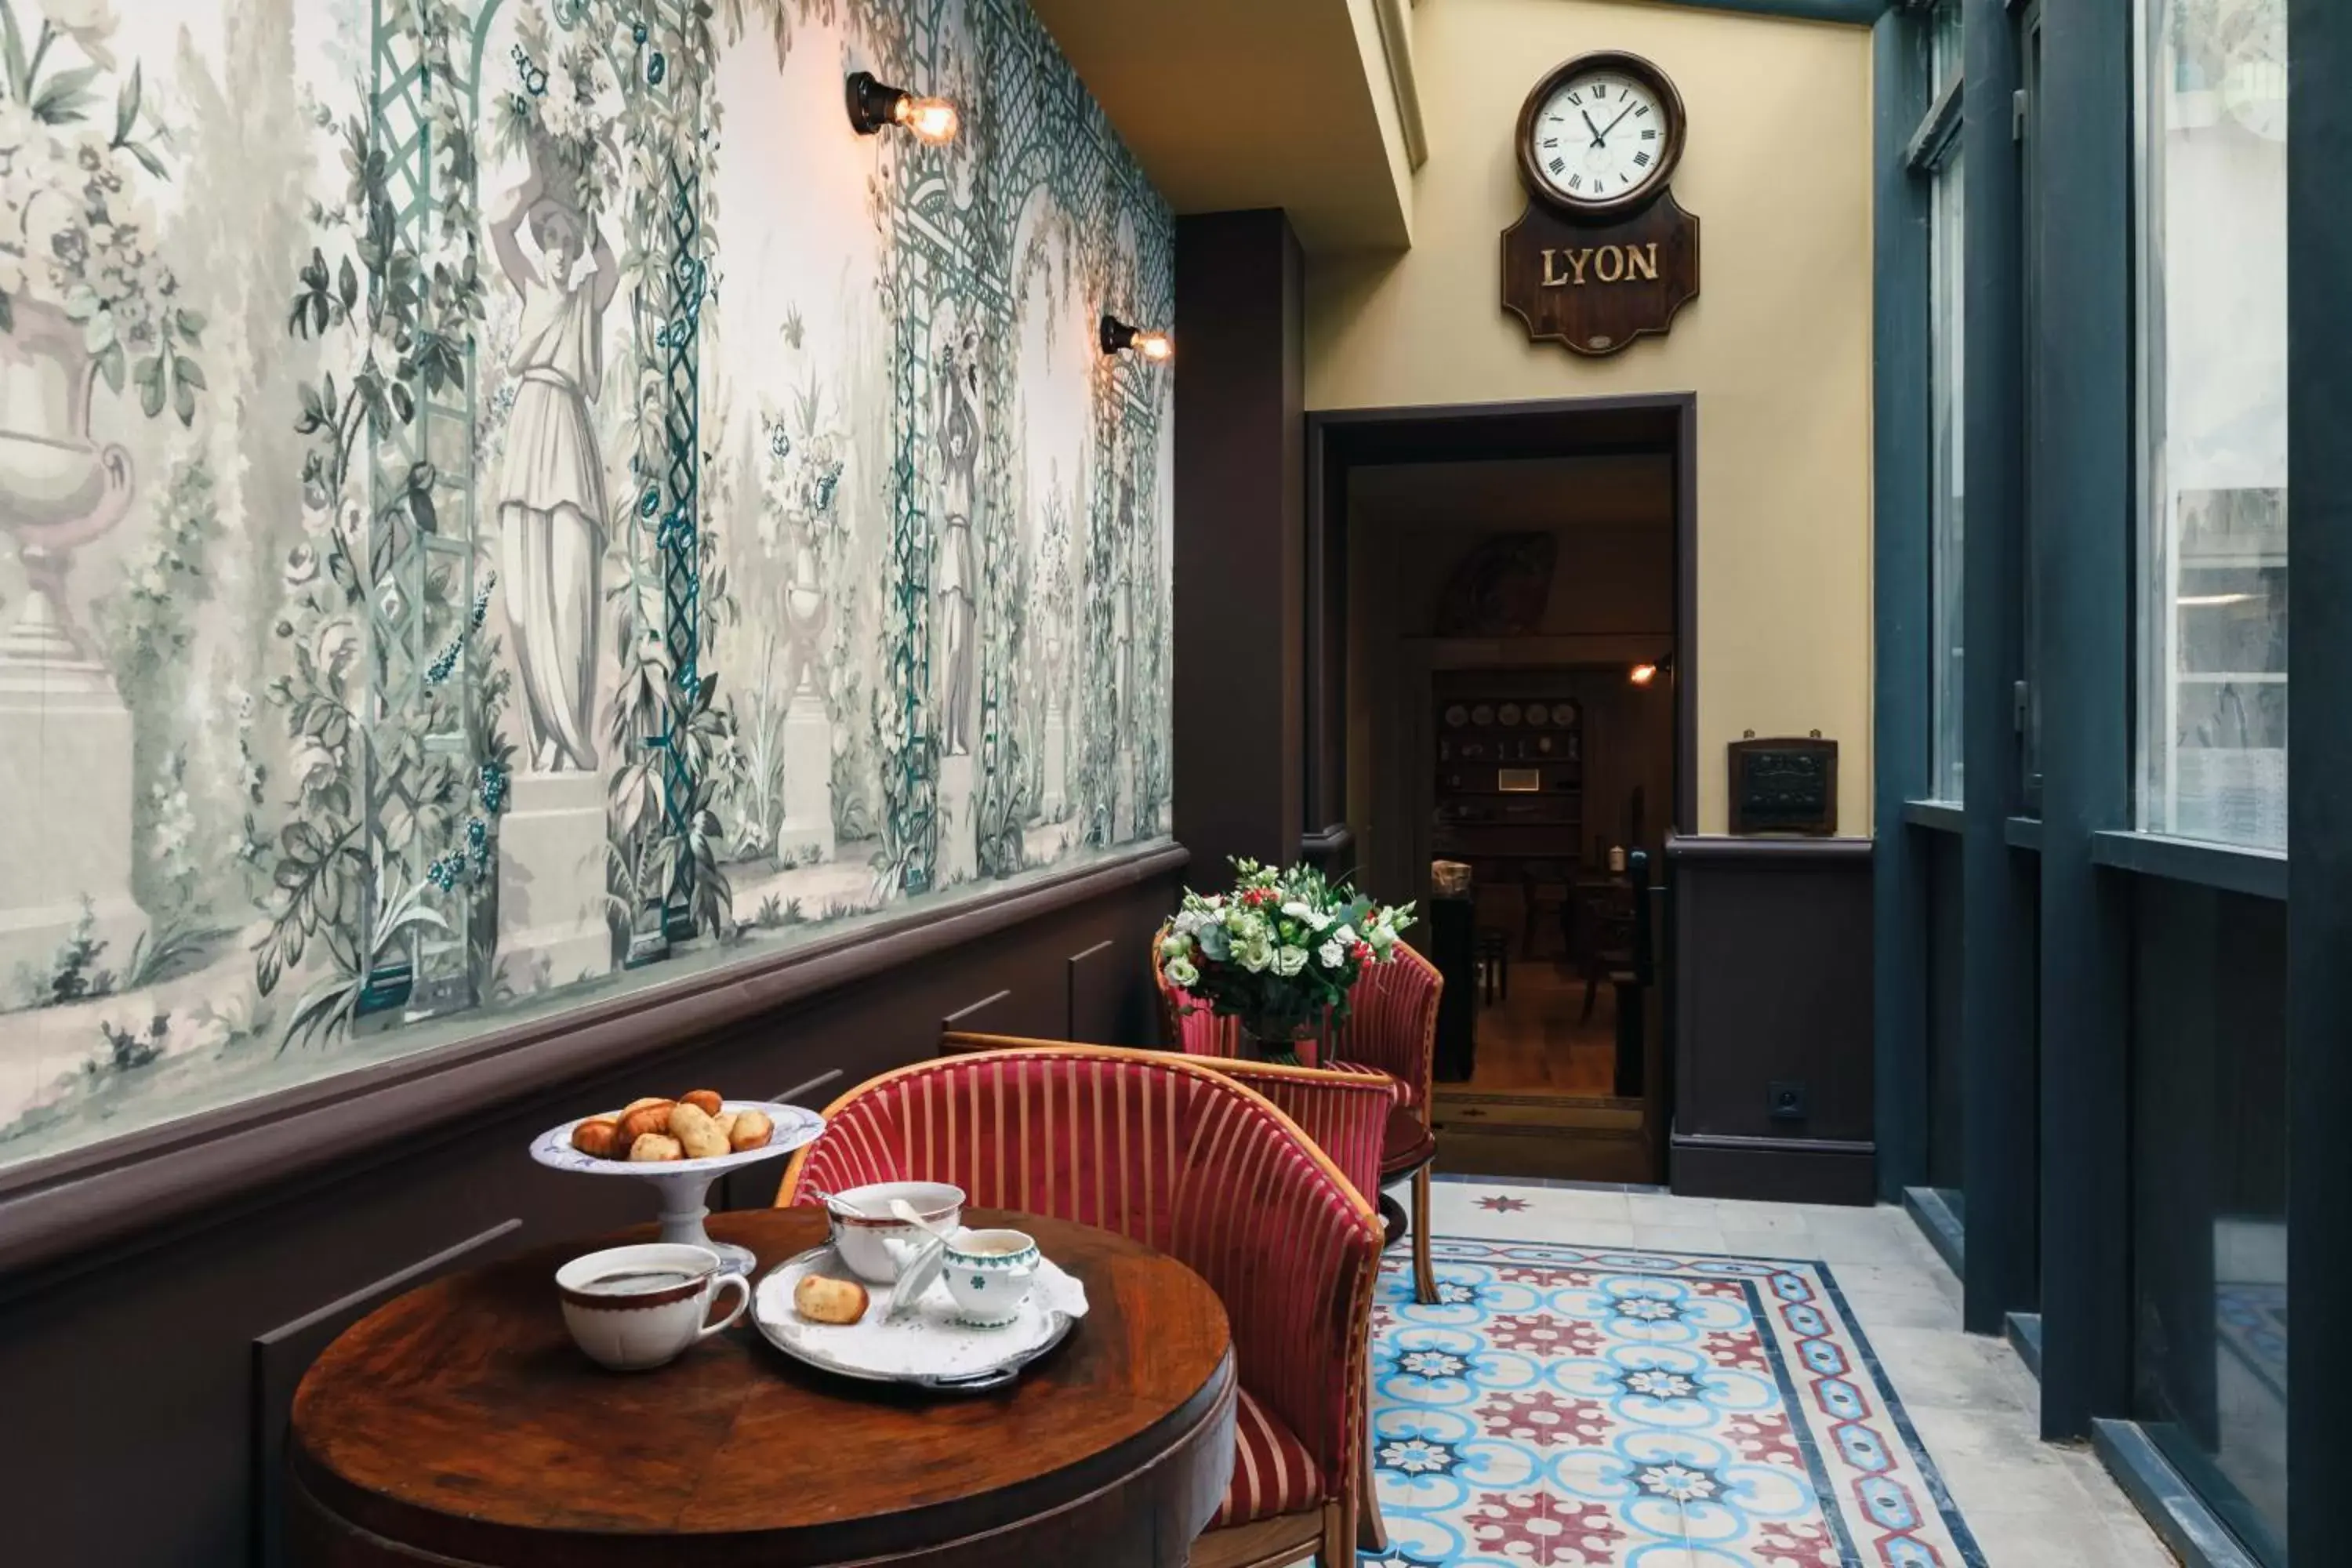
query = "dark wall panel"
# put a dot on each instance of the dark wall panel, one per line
(1239, 567)
(159, 1368)
(1772, 980)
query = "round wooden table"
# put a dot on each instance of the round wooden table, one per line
(459, 1424)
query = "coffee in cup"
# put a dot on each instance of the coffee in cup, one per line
(634, 1308)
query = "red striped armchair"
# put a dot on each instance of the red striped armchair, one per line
(1392, 1027)
(1344, 1112)
(1184, 1158)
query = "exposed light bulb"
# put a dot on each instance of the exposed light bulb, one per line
(1642, 674)
(931, 120)
(1155, 345)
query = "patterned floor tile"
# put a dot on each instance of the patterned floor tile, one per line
(1563, 1404)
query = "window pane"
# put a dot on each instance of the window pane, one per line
(1944, 44)
(2209, 1219)
(1945, 621)
(2213, 636)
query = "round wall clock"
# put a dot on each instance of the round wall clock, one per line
(1601, 133)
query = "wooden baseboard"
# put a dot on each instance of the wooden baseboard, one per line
(1776, 1170)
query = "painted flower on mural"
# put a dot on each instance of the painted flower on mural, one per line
(565, 103)
(1282, 950)
(77, 230)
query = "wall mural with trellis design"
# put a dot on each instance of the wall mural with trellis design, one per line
(509, 501)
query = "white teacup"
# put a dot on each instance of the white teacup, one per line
(634, 1308)
(990, 1273)
(876, 1244)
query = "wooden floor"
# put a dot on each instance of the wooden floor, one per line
(1537, 1042)
(1540, 1100)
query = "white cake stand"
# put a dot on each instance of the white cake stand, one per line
(684, 1185)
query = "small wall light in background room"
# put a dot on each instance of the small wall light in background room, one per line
(1642, 674)
(873, 104)
(1119, 337)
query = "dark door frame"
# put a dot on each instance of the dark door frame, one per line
(1338, 440)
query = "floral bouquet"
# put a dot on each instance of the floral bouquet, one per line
(1281, 952)
(77, 233)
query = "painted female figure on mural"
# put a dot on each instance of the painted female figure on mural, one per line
(958, 575)
(552, 492)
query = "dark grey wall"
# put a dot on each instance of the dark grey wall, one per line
(147, 1381)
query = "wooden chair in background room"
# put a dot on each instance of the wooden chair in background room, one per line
(1392, 1026)
(1608, 941)
(1293, 1253)
(1547, 887)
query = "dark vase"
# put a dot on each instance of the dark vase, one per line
(1275, 1043)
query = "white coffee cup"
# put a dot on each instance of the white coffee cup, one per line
(634, 1308)
(874, 1242)
(990, 1273)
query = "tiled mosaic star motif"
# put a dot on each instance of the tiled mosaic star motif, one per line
(1565, 1406)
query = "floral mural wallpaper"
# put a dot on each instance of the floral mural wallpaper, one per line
(507, 500)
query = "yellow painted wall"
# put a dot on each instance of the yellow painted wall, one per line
(1776, 347)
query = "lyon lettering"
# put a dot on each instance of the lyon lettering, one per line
(1599, 264)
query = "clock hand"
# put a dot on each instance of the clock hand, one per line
(1598, 134)
(1613, 124)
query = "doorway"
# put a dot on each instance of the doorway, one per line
(1500, 605)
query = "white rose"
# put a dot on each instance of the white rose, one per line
(1289, 960)
(1297, 911)
(1333, 956)
(1254, 954)
(1180, 972)
(1345, 936)
(1319, 921)
(1176, 946)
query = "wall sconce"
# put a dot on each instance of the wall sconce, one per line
(1642, 674)
(873, 105)
(1118, 336)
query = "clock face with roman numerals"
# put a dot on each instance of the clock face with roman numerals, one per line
(1601, 133)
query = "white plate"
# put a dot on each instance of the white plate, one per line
(925, 1346)
(793, 1128)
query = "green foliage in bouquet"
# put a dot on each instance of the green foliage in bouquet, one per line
(1281, 950)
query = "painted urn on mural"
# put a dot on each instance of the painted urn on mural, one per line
(83, 298)
(59, 489)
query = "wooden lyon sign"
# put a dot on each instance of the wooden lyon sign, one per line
(1595, 287)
